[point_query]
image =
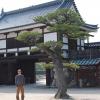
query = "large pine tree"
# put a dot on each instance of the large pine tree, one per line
(64, 22)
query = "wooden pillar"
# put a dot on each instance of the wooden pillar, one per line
(77, 77)
(0, 73)
(6, 43)
(11, 71)
(43, 32)
(3, 73)
(80, 44)
(32, 73)
(48, 77)
(98, 75)
(17, 46)
(5, 55)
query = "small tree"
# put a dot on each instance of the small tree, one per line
(64, 22)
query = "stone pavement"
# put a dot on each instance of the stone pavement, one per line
(33, 92)
(40, 92)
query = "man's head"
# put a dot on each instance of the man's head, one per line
(19, 71)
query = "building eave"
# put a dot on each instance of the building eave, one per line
(22, 27)
(90, 28)
(7, 20)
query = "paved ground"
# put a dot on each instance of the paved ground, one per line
(43, 93)
(40, 92)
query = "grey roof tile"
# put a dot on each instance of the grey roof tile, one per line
(25, 16)
(86, 62)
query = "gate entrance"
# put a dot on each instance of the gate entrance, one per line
(40, 74)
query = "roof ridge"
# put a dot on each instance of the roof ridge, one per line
(31, 7)
(36, 10)
(64, 3)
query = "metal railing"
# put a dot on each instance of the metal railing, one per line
(89, 53)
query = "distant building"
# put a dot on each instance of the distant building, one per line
(15, 54)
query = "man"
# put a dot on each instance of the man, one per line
(19, 82)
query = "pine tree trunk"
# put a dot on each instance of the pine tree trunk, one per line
(61, 80)
(60, 76)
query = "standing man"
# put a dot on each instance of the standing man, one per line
(19, 82)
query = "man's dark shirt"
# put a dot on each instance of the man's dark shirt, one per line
(19, 80)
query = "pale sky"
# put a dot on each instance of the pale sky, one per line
(89, 10)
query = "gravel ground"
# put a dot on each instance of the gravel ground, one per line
(33, 92)
(39, 91)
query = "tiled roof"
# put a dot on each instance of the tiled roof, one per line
(86, 62)
(25, 16)
(91, 26)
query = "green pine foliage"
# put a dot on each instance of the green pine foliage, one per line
(62, 21)
(66, 65)
(30, 38)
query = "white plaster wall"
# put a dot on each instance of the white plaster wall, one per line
(13, 34)
(2, 36)
(50, 37)
(65, 46)
(2, 44)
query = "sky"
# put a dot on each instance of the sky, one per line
(89, 10)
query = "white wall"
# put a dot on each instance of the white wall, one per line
(50, 37)
(2, 44)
